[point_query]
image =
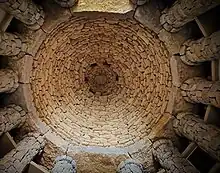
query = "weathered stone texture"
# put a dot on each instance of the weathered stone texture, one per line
(17, 159)
(66, 3)
(112, 92)
(149, 15)
(143, 153)
(170, 158)
(184, 11)
(179, 69)
(193, 128)
(8, 81)
(139, 2)
(174, 41)
(204, 49)
(199, 90)
(11, 44)
(86, 162)
(64, 164)
(130, 166)
(26, 11)
(23, 67)
(11, 117)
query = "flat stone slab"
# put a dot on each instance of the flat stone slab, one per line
(112, 6)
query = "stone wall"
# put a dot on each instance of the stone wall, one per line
(11, 117)
(17, 159)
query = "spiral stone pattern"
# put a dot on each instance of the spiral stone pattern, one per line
(101, 82)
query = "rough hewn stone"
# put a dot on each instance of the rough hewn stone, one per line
(199, 90)
(66, 3)
(179, 69)
(87, 162)
(11, 44)
(11, 117)
(64, 164)
(112, 92)
(139, 2)
(26, 11)
(17, 159)
(130, 166)
(142, 151)
(206, 136)
(8, 81)
(184, 11)
(23, 67)
(149, 15)
(204, 49)
(170, 158)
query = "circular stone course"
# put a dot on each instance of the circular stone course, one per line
(101, 81)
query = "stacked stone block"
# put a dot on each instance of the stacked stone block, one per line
(8, 81)
(170, 158)
(206, 136)
(184, 11)
(105, 81)
(26, 11)
(204, 49)
(11, 117)
(11, 44)
(17, 159)
(199, 90)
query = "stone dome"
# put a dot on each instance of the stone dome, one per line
(101, 81)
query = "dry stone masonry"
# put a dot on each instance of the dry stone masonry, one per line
(101, 89)
(11, 44)
(206, 136)
(204, 49)
(199, 90)
(9, 81)
(26, 11)
(17, 159)
(170, 158)
(64, 164)
(11, 117)
(101, 81)
(130, 166)
(184, 11)
(66, 3)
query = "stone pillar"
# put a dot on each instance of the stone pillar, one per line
(199, 90)
(8, 81)
(11, 117)
(11, 44)
(184, 11)
(205, 136)
(25, 11)
(64, 164)
(17, 159)
(66, 3)
(204, 49)
(170, 158)
(130, 166)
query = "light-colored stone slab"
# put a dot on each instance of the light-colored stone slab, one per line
(113, 6)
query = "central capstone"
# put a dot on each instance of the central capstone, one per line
(101, 79)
